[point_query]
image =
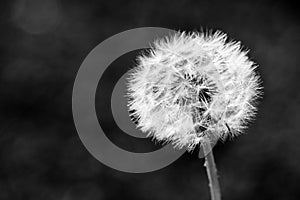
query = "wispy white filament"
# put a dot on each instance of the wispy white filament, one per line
(192, 87)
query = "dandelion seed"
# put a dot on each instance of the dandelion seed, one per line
(193, 87)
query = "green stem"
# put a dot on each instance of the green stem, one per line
(211, 170)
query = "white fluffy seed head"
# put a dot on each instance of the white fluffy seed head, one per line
(193, 87)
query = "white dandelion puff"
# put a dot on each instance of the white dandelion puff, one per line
(193, 87)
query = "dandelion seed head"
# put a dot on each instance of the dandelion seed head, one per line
(193, 87)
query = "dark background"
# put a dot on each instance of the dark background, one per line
(43, 44)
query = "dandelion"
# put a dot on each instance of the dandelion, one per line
(194, 88)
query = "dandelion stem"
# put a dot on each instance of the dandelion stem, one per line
(211, 170)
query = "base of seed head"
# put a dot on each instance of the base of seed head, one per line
(193, 88)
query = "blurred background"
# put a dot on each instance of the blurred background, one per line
(42, 45)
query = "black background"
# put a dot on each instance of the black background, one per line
(42, 46)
